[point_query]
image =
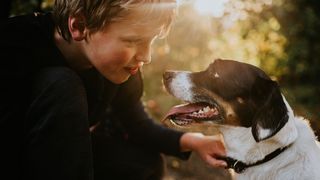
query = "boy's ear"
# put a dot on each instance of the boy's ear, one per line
(272, 113)
(77, 27)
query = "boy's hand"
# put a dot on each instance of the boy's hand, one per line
(208, 147)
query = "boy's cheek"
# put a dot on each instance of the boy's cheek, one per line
(122, 57)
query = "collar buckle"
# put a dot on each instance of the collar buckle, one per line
(238, 166)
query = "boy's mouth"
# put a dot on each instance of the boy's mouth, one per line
(132, 70)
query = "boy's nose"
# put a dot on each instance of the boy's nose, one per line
(144, 53)
(145, 58)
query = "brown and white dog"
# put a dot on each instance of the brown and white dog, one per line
(263, 137)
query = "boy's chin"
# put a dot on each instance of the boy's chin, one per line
(119, 80)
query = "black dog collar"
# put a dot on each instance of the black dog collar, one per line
(240, 166)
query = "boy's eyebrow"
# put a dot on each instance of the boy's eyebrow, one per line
(137, 37)
(131, 38)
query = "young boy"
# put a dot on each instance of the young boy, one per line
(70, 94)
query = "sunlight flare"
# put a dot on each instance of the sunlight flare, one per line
(215, 8)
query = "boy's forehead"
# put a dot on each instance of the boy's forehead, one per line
(141, 20)
(129, 28)
(155, 15)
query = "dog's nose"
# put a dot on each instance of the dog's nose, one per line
(168, 75)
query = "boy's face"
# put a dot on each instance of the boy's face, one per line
(122, 48)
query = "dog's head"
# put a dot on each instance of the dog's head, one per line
(228, 93)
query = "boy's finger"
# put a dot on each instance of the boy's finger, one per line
(219, 151)
(220, 145)
(215, 163)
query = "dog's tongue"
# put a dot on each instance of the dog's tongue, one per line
(184, 108)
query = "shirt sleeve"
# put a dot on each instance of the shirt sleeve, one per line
(138, 125)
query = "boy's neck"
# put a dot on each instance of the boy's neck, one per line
(72, 52)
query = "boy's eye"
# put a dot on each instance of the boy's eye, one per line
(132, 41)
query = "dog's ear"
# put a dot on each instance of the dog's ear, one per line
(271, 114)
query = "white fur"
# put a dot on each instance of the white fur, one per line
(182, 86)
(300, 161)
(262, 133)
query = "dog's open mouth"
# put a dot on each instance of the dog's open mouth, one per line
(192, 113)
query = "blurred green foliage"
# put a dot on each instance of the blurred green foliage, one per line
(280, 36)
(27, 6)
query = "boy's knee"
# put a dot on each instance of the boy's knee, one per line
(122, 160)
(153, 170)
(148, 167)
(156, 171)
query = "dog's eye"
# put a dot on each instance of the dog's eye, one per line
(240, 100)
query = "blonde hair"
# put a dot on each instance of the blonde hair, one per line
(99, 13)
